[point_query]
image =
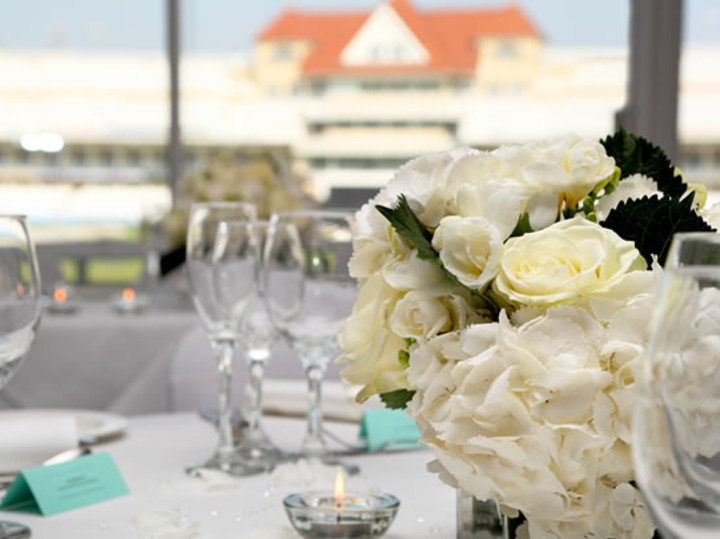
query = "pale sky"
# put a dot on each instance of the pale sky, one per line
(229, 25)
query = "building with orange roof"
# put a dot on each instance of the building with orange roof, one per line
(301, 52)
(381, 86)
(343, 97)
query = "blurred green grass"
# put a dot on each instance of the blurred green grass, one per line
(100, 271)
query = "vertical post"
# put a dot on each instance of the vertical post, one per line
(174, 154)
(654, 72)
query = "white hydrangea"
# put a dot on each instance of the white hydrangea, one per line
(533, 417)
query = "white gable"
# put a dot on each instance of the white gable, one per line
(384, 39)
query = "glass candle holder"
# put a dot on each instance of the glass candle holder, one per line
(321, 515)
(62, 300)
(129, 301)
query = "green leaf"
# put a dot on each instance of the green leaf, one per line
(636, 155)
(522, 226)
(407, 224)
(397, 399)
(404, 357)
(650, 223)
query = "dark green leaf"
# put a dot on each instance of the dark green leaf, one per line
(407, 224)
(636, 155)
(522, 226)
(650, 223)
(397, 399)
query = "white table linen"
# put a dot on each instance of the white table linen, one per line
(156, 449)
(100, 359)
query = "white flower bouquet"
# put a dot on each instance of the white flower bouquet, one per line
(504, 298)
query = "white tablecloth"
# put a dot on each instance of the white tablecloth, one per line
(154, 362)
(153, 454)
(100, 359)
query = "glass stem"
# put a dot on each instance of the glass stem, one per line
(314, 445)
(254, 400)
(225, 349)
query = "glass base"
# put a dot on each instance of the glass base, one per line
(13, 530)
(478, 519)
(233, 464)
(261, 455)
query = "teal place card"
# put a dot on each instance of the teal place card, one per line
(48, 490)
(388, 429)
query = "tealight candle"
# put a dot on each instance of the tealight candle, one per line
(61, 301)
(341, 514)
(129, 301)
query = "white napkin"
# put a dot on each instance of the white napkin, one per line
(28, 440)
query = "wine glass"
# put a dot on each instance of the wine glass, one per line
(221, 266)
(676, 442)
(309, 294)
(20, 305)
(257, 337)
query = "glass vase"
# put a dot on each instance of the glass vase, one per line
(478, 519)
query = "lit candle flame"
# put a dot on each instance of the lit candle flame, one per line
(60, 294)
(128, 295)
(339, 490)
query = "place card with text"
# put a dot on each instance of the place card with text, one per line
(48, 490)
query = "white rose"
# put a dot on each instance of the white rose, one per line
(421, 315)
(631, 188)
(370, 347)
(562, 172)
(375, 242)
(470, 249)
(563, 262)
(496, 201)
(411, 273)
(571, 166)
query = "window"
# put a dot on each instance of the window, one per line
(283, 52)
(106, 158)
(77, 157)
(133, 157)
(507, 49)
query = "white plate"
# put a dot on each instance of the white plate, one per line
(91, 425)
